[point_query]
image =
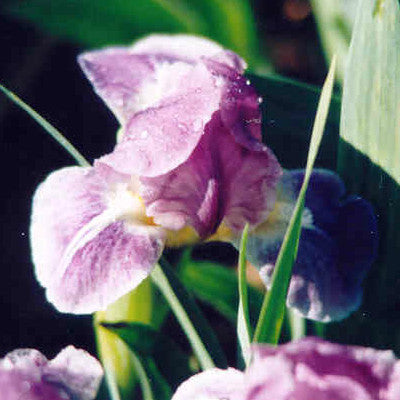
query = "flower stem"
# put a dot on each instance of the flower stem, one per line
(164, 285)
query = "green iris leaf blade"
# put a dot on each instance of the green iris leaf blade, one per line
(199, 333)
(272, 313)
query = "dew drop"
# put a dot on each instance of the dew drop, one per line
(260, 100)
(197, 124)
(144, 134)
(219, 81)
(248, 83)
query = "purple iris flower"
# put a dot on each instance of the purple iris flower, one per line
(337, 246)
(190, 157)
(25, 374)
(303, 370)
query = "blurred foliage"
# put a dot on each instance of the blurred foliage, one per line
(335, 19)
(369, 161)
(217, 286)
(100, 23)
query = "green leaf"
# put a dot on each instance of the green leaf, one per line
(335, 19)
(53, 132)
(232, 24)
(144, 340)
(200, 335)
(102, 22)
(369, 162)
(273, 310)
(371, 96)
(243, 320)
(217, 286)
(288, 110)
(153, 384)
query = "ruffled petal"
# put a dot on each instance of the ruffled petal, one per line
(221, 180)
(27, 374)
(161, 138)
(187, 48)
(117, 75)
(76, 370)
(337, 246)
(211, 385)
(86, 251)
(326, 370)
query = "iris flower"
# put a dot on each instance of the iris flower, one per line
(27, 374)
(306, 369)
(337, 246)
(190, 158)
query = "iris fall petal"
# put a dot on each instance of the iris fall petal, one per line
(87, 247)
(336, 248)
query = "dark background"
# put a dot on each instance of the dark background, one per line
(43, 71)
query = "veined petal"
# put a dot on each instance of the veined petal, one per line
(88, 246)
(336, 248)
(221, 180)
(214, 384)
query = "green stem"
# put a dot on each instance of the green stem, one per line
(297, 324)
(120, 368)
(243, 320)
(53, 132)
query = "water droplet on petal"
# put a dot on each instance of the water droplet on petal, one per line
(197, 124)
(260, 100)
(219, 81)
(248, 83)
(144, 134)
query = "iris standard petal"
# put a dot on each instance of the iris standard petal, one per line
(88, 246)
(162, 137)
(187, 48)
(117, 75)
(336, 248)
(213, 384)
(221, 180)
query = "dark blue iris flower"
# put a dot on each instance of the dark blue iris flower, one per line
(337, 246)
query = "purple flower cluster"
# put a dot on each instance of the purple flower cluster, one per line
(303, 370)
(190, 165)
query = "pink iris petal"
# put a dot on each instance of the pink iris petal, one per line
(161, 138)
(187, 48)
(328, 371)
(191, 133)
(27, 374)
(86, 252)
(116, 75)
(303, 370)
(220, 180)
(214, 384)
